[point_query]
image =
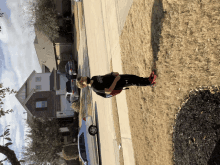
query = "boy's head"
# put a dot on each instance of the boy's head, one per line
(81, 82)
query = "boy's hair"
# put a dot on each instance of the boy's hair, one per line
(78, 83)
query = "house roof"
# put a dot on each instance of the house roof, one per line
(19, 91)
(45, 69)
(29, 118)
(25, 82)
(45, 50)
(35, 40)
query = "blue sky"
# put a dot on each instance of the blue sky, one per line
(17, 60)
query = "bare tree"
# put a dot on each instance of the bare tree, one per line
(4, 149)
(43, 17)
(45, 141)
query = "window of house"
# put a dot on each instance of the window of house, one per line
(38, 79)
(41, 104)
(38, 87)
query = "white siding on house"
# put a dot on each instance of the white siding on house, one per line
(65, 105)
(63, 81)
(45, 82)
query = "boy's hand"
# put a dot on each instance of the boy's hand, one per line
(115, 74)
(107, 91)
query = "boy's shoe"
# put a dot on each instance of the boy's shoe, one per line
(152, 84)
(152, 77)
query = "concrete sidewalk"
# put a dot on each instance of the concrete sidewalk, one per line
(114, 22)
(104, 21)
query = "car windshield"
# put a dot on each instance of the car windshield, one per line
(82, 147)
(68, 86)
(73, 82)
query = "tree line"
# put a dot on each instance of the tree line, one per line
(43, 17)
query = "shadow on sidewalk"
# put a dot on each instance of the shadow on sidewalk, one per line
(156, 27)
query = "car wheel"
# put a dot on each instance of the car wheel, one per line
(93, 130)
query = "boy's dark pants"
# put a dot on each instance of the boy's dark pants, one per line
(131, 80)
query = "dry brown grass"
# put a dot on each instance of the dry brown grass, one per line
(81, 115)
(81, 112)
(188, 58)
(77, 10)
(80, 14)
(85, 105)
(76, 106)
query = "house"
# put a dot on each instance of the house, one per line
(56, 54)
(63, 44)
(43, 95)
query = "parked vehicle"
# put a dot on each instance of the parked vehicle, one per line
(72, 90)
(71, 69)
(87, 145)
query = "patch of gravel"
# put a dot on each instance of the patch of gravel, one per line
(196, 134)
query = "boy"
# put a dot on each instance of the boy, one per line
(111, 84)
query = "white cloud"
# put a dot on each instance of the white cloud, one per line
(20, 60)
(5, 24)
(18, 38)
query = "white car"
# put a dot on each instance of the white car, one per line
(87, 145)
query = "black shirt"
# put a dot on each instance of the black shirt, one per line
(101, 82)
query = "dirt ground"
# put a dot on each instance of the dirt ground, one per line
(182, 46)
(183, 42)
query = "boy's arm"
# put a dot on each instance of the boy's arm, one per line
(111, 88)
